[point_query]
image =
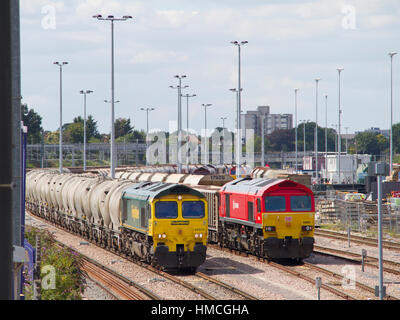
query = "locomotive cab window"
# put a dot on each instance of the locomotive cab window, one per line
(193, 209)
(300, 203)
(275, 204)
(166, 210)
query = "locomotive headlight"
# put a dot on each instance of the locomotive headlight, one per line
(196, 235)
(270, 229)
(164, 236)
(306, 228)
(179, 197)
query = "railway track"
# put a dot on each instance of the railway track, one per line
(294, 271)
(239, 292)
(291, 270)
(113, 282)
(335, 275)
(356, 258)
(148, 267)
(357, 239)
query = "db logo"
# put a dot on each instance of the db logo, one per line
(288, 221)
(235, 205)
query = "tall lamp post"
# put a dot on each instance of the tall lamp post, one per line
(178, 147)
(326, 137)
(205, 132)
(239, 108)
(391, 54)
(188, 96)
(316, 130)
(295, 117)
(60, 65)
(223, 122)
(339, 126)
(147, 126)
(112, 19)
(85, 93)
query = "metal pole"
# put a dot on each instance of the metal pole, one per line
(339, 127)
(112, 145)
(61, 130)
(84, 134)
(326, 138)
(262, 140)
(239, 136)
(179, 127)
(316, 131)
(379, 187)
(6, 161)
(391, 54)
(304, 138)
(112, 155)
(295, 108)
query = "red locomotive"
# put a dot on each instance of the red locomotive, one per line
(270, 218)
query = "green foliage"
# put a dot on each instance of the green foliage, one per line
(132, 137)
(70, 281)
(369, 142)
(122, 127)
(33, 121)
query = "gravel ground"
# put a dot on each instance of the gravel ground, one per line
(370, 277)
(95, 292)
(254, 277)
(258, 278)
(164, 288)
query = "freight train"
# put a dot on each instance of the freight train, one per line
(243, 213)
(144, 215)
(164, 224)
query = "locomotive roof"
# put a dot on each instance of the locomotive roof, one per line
(154, 190)
(259, 186)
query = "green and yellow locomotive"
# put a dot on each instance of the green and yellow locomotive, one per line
(166, 224)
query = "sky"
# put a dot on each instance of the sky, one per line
(290, 43)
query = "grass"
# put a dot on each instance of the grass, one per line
(68, 281)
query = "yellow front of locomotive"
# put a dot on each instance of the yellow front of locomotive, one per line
(288, 225)
(179, 230)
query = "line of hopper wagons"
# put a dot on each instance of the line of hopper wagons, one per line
(168, 219)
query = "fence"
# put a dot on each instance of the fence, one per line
(360, 216)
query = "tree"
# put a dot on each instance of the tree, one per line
(91, 129)
(369, 142)
(396, 138)
(33, 121)
(122, 127)
(282, 140)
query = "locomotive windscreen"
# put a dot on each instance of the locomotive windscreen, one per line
(166, 210)
(193, 209)
(300, 203)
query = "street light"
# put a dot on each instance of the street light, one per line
(295, 112)
(239, 108)
(326, 137)
(223, 122)
(112, 146)
(205, 132)
(316, 130)
(178, 151)
(113, 126)
(60, 64)
(147, 126)
(391, 54)
(339, 126)
(187, 96)
(85, 93)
